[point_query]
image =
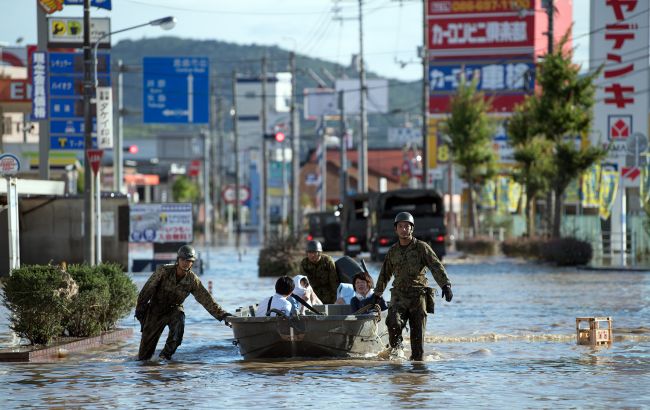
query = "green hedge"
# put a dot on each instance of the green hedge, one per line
(46, 301)
(561, 251)
(281, 257)
(477, 246)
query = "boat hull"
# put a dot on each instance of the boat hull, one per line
(309, 336)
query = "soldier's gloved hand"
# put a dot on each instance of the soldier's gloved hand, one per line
(447, 293)
(224, 316)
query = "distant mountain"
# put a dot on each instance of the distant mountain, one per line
(404, 97)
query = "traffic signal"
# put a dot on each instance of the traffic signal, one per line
(131, 149)
(277, 136)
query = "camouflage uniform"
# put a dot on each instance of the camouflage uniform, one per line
(165, 296)
(408, 303)
(322, 277)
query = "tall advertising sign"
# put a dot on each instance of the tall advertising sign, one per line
(619, 42)
(490, 41)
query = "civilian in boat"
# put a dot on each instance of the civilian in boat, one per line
(280, 302)
(304, 290)
(364, 293)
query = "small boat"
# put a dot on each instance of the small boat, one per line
(336, 333)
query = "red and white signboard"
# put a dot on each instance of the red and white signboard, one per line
(95, 158)
(481, 32)
(621, 43)
(228, 194)
(195, 168)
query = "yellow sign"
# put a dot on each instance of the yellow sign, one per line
(50, 6)
(432, 151)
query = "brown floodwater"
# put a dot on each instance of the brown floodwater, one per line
(507, 340)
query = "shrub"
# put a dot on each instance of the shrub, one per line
(478, 246)
(123, 294)
(567, 252)
(280, 257)
(37, 297)
(87, 309)
(522, 247)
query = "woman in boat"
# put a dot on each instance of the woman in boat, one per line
(279, 302)
(304, 290)
(364, 293)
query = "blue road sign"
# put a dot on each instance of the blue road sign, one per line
(69, 142)
(176, 90)
(70, 127)
(104, 4)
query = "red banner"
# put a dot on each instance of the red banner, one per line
(480, 32)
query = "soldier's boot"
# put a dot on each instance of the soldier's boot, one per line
(175, 336)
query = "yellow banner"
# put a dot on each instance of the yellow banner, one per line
(514, 195)
(488, 195)
(608, 188)
(590, 198)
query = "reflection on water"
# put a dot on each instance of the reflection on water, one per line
(507, 340)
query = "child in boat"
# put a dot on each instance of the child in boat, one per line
(283, 288)
(304, 290)
(364, 293)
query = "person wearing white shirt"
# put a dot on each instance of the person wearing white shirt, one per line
(280, 301)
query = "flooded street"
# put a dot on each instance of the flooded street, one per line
(506, 340)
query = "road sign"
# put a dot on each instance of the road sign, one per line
(228, 194)
(65, 142)
(95, 158)
(176, 90)
(195, 168)
(9, 164)
(66, 102)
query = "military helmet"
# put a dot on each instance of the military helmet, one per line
(404, 217)
(187, 252)
(314, 246)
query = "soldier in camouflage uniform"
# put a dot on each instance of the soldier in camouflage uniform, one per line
(321, 272)
(408, 260)
(160, 304)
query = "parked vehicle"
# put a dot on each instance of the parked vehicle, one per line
(326, 228)
(426, 206)
(355, 221)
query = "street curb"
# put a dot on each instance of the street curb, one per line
(62, 348)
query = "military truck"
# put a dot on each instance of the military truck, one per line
(426, 206)
(355, 219)
(325, 227)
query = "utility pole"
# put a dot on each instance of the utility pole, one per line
(550, 11)
(118, 166)
(295, 154)
(264, 179)
(220, 149)
(89, 226)
(214, 174)
(44, 126)
(343, 173)
(425, 97)
(363, 148)
(550, 196)
(235, 130)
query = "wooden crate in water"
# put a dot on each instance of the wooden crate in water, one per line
(599, 331)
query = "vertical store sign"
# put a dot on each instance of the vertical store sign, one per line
(620, 40)
(104, 117)
(39, 86)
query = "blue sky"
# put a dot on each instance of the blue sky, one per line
(326, 29)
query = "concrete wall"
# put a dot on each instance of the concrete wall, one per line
(51, 229)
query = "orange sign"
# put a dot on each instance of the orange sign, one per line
(15, 90)
(50, 6)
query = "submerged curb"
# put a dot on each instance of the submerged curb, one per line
(62, 348)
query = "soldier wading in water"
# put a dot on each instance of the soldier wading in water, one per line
(160, 304)
(408, 260)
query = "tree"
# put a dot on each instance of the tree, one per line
(563, 114)
(185, 190)
(470, 132)
(533, 155)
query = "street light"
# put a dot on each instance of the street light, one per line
(165, 23)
